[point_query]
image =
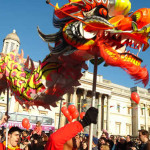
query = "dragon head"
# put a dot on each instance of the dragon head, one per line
(122, 44)
(104, 28)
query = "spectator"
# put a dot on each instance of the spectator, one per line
(4, 134)
(111, 141)
(64, 138)
(25, 135)
(36, 143)
(50, 132)
(84, 145)
(4, 119)
(1, 135)
(102, 141)
(38, 128)
(104, 147)
(24, 144)
(13, 139)
(121, 145)
(104, 135)
(129, 143)
(95, 144)
(44, 136)
(144, 138)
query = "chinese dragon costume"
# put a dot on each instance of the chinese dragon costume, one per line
(87, 28)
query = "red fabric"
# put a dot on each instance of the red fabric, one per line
(38, 130)
(57, 140)
(28, 137)
(2, 147)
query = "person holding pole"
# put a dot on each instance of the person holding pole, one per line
(4, 119)
(65, 138)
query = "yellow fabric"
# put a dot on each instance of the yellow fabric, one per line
(12, 148)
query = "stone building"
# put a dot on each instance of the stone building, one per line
(118, 114)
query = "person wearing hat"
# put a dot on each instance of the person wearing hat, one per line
(65, 138)
(95, 144)
(13, 139)
(121, 144)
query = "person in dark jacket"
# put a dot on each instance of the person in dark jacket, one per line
(129, 143)
(144, 138)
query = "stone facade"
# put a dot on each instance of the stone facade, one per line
(118, 114)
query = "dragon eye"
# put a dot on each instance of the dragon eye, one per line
(136, 17)
(103, 12)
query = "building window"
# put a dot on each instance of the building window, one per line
(6, 47)
(142, 111)
(142, 127)
(16, 47)
(57, 121)
(129, 110)
(149, 130)
(118, 127)
(3, 108)
(12, 46)
(44, 113)
(118, 108)
(149, 111)
(25, 110)
(127, 129)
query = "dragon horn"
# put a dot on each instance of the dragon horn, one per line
(26, 64)
(50, 47)
(2, 54)
(21, 55)
(32, 65)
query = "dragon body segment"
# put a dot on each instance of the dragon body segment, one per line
(86, 28)
(41, 86)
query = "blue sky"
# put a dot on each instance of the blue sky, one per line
(25, 15)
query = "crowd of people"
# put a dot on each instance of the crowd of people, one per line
(70, 137)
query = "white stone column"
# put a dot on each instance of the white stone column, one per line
(99, 116)
(12, 104)
(108, 114)
(74, 97)
(146, 125)
(104, 112)
(135, 119)
(85, 93)
(139, 115)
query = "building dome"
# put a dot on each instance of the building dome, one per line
(13, 36)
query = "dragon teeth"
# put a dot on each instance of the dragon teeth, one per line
(122, 49)
(114, 47)
(117, 35)
(123, 40)
(106, 33)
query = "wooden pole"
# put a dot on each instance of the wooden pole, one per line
(93, 100)
(59, 114)
(7, 119)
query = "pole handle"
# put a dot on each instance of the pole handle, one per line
(47, 1)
